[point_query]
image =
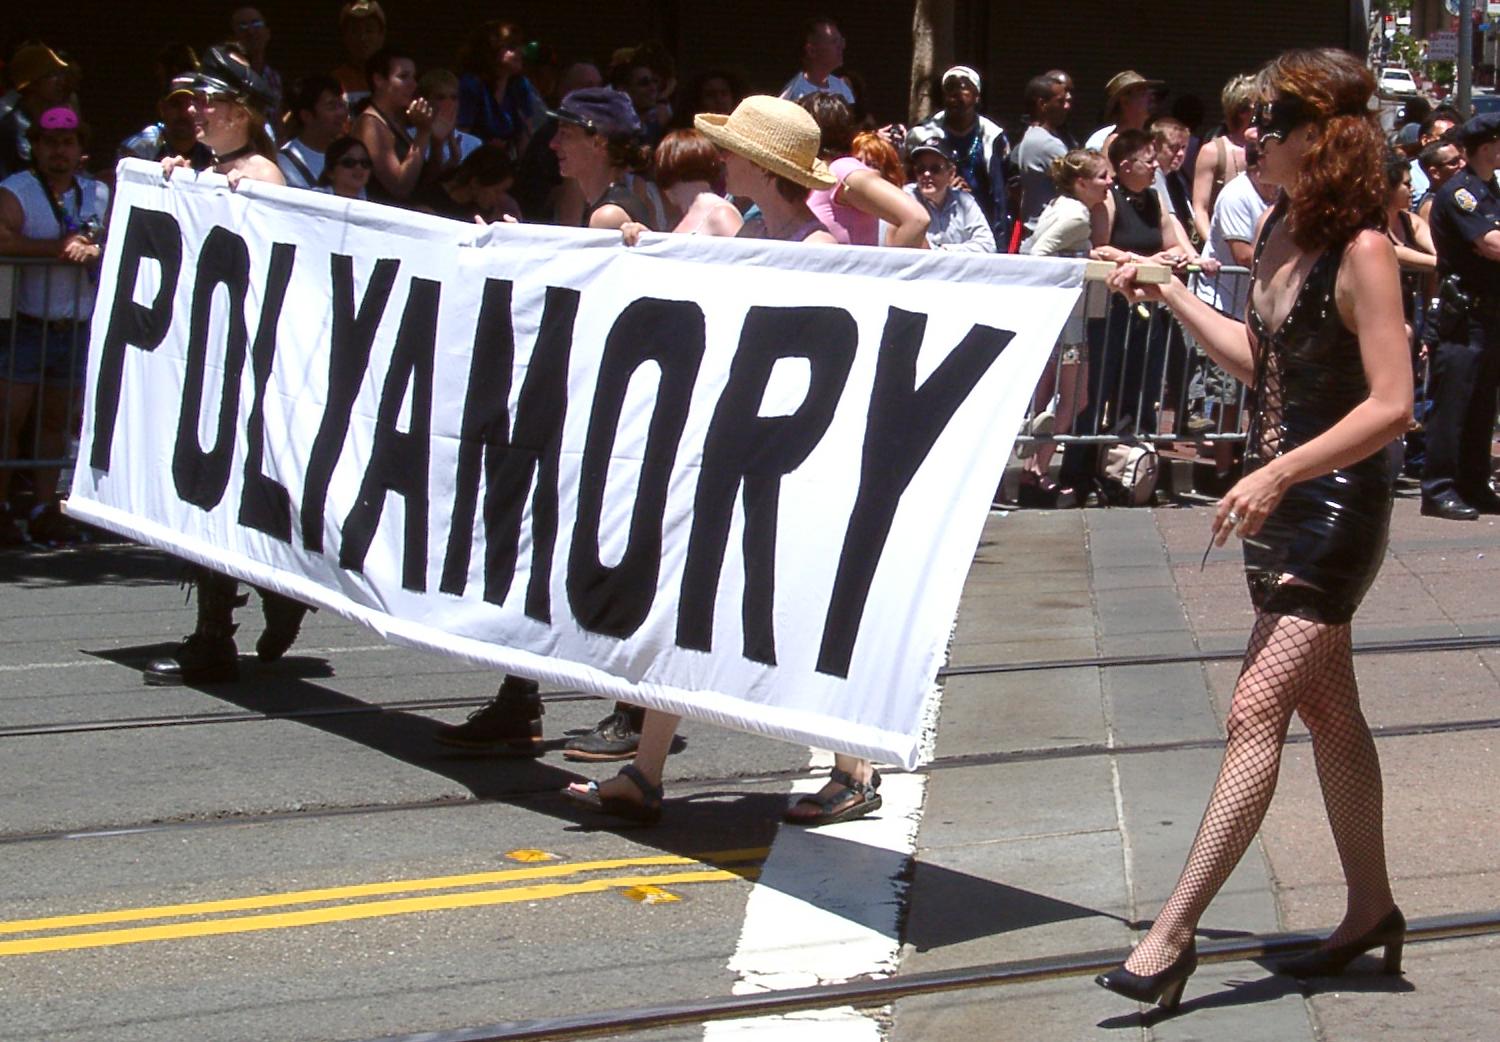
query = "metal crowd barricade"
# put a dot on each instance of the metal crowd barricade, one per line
(21, 402)
(1146, 379)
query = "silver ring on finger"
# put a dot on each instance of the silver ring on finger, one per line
(1233, 519)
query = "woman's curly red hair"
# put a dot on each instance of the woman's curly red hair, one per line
(1342, 187)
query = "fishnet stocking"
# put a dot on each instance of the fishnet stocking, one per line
(1291, 664)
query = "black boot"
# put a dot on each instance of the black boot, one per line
(208, 655)
(509, 724)
(616, 737)
(283, 620)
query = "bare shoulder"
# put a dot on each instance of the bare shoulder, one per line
(722, 217)
(609, 216)
(1369, 275)
(1369, 252)
(259, 168)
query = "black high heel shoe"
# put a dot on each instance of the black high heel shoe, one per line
(1389, 933)
(1163, 987)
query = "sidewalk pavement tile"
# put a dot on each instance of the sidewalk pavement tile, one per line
(1011, 800)
(1017, 899)
(1149, 705)
(1450, 993)
(1045, 709)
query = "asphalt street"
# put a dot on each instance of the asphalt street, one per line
(293, 858)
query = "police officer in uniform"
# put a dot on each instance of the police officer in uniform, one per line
(1466, 364)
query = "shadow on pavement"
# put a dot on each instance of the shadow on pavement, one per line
(1242, 992)
(121, 564)
(956, 907)
(950, 907)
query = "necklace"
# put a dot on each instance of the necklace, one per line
(239, 153)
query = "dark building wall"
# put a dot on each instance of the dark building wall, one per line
(1192, 45)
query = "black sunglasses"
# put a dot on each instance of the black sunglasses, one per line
(349, 163)
(1276, 119)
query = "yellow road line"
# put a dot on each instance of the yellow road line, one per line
(397, 886)
(363, 910)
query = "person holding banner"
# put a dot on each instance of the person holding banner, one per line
(227, 97)
(599, 142)
(770, 148)
(229, 102)
(598, 139)
(1324, 346)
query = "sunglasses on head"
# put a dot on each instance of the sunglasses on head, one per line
(349, 163)
(1276, 119)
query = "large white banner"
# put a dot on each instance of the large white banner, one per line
(740, 481)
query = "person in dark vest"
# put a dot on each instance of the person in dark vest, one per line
(1466, 363)
(228, 100)
(597, 141)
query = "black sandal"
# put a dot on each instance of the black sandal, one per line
(647, 810)
(829, 811)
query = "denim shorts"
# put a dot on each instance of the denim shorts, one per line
(32, 351)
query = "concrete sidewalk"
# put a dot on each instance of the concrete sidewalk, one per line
(1087, 843)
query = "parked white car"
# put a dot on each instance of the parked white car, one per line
(1397, 83)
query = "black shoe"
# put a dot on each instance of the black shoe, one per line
(283, 621)
(49, 526)
(1163, 987)
(11, 533)
(1484, 500)
(616, 737)
(199, 659)
(1449, 507)
(1389, 933)
(509, 724)
(1035, 495)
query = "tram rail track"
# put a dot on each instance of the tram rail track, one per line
(698, 786)
(1421, 645)
(865, 994)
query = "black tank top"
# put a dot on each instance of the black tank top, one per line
(1137, 227)
(618, 195)
(402, 143)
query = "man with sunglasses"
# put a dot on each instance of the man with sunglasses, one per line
(1466, 361)
(956, 222)
(1439, 161)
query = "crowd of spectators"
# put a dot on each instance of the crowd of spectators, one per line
(481, 140)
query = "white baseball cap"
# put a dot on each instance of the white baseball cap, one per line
(963, 72)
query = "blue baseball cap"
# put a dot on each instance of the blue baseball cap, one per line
(600, 110)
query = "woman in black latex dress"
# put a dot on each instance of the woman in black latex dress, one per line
(1325, 350)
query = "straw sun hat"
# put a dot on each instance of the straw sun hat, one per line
(777, 135)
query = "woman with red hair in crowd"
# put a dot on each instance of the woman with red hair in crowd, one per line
(690, 174)
(1324, 347)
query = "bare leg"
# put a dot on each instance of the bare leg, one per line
(58, 414)
(16, 401)
(657, 732)
(1287, 656)
(1072, 396)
